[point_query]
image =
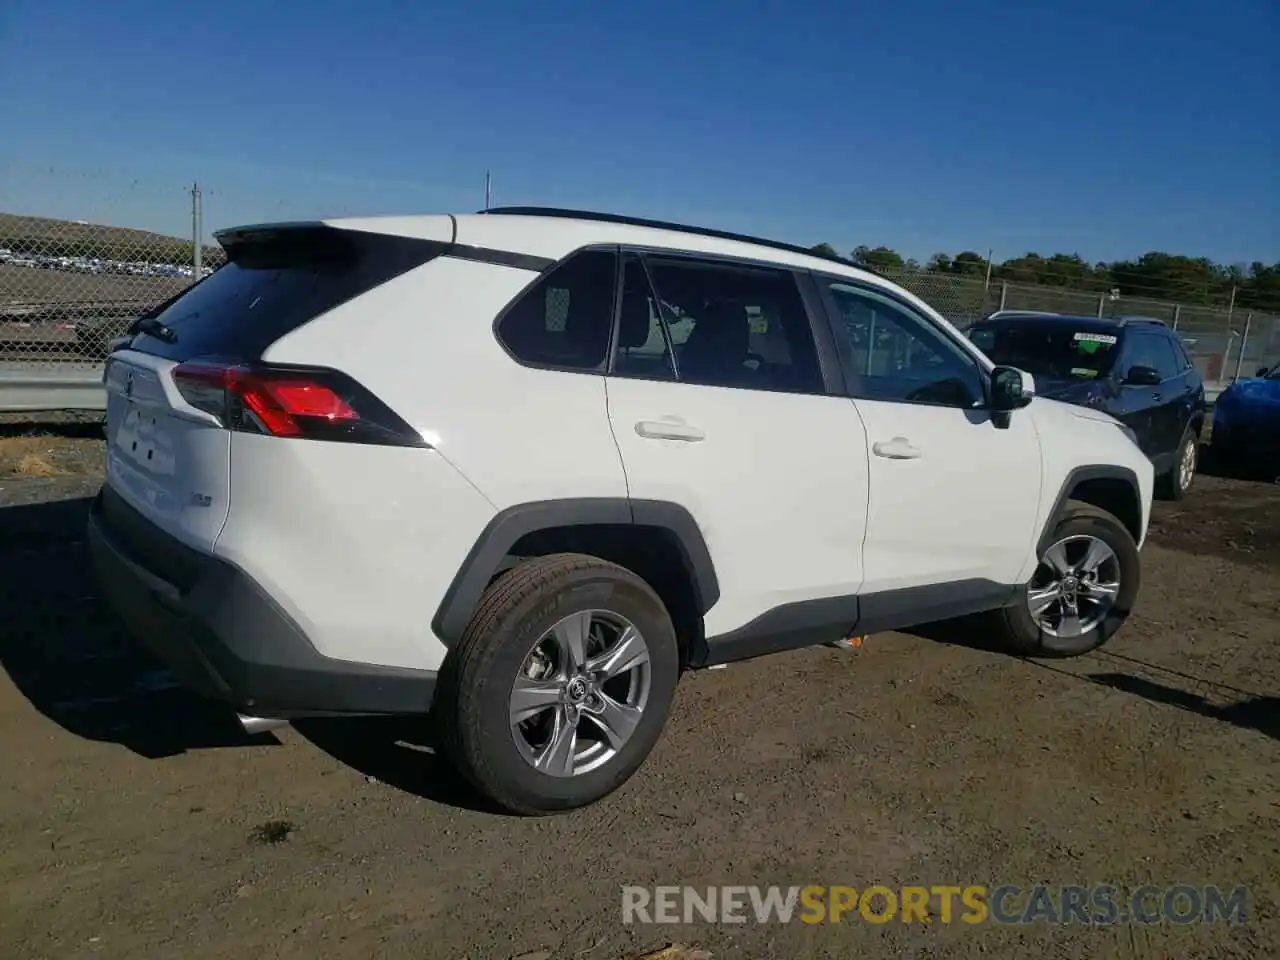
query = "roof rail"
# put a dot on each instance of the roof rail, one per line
(677, 227)
(1005, 314)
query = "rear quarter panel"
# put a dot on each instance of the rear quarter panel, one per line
(424, 343)
(357, 543)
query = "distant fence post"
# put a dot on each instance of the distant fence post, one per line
(1004, 292)
(1244, 344)
(1231, 335)
(197, 228)
(1177, 312)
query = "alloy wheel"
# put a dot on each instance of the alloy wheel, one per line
(1074, 587)
(580, 693)
(1187, 465)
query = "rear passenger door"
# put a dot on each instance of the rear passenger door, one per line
(718, 402)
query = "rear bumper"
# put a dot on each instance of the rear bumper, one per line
(223, 636)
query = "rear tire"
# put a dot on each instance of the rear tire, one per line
(523, 634)
(1175, 484)
(1079, 527)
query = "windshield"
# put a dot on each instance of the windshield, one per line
(1054, 351)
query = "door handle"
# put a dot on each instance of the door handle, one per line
(669, 430)
(899, 448)
(1157, 397)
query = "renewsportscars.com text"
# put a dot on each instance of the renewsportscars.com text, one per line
(972, 904)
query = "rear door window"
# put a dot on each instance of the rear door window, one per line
(728, 325)
(273, 282)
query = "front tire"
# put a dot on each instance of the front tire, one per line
(1082, 590)
(1175, 484)
(560, 686)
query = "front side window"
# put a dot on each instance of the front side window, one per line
(1167, 361)
(1151, 351)
(563, 320)
(1184, 358)
(716, 324)
(1053, 351)
(890, 353)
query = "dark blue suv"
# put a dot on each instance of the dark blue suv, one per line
(1135, 369)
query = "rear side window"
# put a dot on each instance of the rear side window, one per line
(563, 320)
(273, 282)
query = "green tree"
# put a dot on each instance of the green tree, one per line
(878, 258)
(969, 264)
(939, 263)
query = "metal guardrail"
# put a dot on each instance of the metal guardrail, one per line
(26, 390)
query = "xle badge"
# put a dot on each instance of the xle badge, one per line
(201, 499)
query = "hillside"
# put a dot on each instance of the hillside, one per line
(36, 236)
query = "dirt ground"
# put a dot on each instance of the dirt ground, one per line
(137, 822)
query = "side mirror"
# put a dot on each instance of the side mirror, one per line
(1011, 389)
(1142, 377)
(1262, 371)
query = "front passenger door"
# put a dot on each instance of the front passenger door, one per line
(1141, 404)
(954, 492)
(1175, 396)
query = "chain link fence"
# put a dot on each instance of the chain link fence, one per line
(1223, 342)
(67, 288)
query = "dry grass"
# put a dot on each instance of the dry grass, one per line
(51, 446)
(28, 457)
(676, 951)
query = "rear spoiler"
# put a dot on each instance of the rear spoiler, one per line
(269, 244)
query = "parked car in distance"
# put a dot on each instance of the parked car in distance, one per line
(1246, 423)
(522, 468)
(1134, 368)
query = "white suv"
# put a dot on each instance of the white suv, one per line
(520, 469)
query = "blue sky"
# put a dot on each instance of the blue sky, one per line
(1106, 129)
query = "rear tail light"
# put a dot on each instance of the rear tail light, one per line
(304, 402)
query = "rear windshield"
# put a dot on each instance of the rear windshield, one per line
(273, 282)
(1052, 350)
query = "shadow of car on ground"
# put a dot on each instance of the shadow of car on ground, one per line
(71, 657)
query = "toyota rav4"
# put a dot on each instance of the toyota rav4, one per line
(521, 469)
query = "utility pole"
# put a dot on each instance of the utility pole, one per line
(197, 232)
(487, 183)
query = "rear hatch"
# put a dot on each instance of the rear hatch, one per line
(190, 372)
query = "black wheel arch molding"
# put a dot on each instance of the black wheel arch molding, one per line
(1081, 475)
(509, 526)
